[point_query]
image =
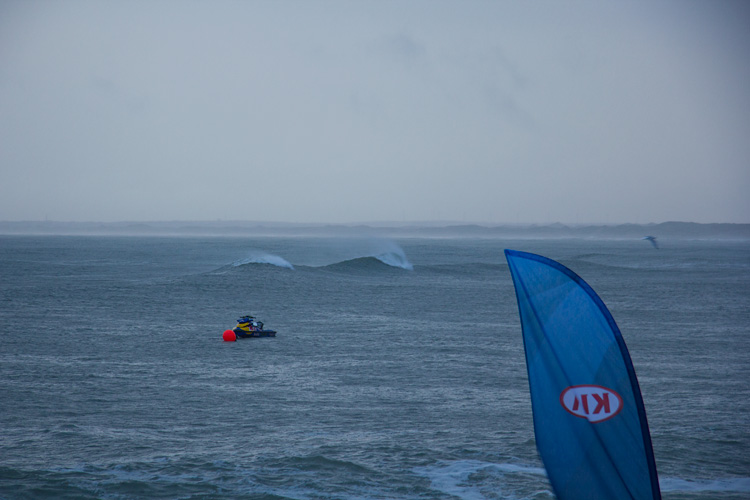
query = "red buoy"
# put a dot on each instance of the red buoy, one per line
(229, 336)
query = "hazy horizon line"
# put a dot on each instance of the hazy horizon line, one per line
(377, 223)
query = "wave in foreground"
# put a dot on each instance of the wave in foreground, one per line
(306, 477)
(469, 479)
(472, 479)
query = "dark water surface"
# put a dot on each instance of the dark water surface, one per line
(398, 370)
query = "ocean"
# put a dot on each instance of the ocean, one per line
(397, 372)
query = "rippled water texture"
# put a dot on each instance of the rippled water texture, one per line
(397, 372)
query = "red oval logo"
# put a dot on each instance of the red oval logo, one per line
(592, 402)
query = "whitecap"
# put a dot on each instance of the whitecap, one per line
(390, 253)
(395, 259)
(264, 258)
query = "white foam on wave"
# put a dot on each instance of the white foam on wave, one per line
(731, 484)
(395, 259)
(388, 252)
(264, 258)
(454, 478)
(340, 250)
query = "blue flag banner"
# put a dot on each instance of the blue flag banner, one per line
(589, 419)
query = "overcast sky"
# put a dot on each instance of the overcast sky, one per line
(356, 111)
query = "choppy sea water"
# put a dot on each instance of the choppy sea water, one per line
(397, 372)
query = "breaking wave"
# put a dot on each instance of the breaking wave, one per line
(370, 253)
(263, 258)
(359, 264)
(373, 262)
(344, 254)
(386, 251)
(395, 258)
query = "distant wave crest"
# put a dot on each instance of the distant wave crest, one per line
(352, 254)
(373, 262)
(388, 252)
(370, 253)
(263, 258)
(366, 264)
(395, 258)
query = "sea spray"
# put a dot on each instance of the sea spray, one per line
(260, 257)
(393, 255)
(385, 250)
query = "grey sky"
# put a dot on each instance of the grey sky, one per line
(576, 112)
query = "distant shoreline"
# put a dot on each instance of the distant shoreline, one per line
(667, 230)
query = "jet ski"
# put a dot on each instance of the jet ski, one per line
(248, 326)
